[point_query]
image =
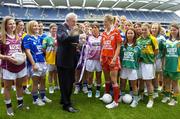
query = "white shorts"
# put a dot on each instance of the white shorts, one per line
(148, 71)
(93, 65)
(7, 75)
(51, 67)
(42, 68)
(129, 74)
(158, 65)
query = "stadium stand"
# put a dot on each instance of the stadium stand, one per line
(85, 14)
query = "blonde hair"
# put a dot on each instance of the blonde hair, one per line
(159, 27)
(4, 29)
(29, 27)
(109, 18)
(123, 17)
(146, 25)
(116, 18)
(129, 23)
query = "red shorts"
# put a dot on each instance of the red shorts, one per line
(106, 61)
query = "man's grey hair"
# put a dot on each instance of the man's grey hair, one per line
(70, 15)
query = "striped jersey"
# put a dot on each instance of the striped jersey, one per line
(148, 45)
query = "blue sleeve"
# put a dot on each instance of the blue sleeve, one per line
(26, 42)
(42, 38)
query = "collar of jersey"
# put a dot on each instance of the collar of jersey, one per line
(10, 36)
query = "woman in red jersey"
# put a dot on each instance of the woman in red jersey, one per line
(111, 42)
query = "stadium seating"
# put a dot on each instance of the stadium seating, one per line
(85, 14)
(125, 13)
(18, 12)
(35, 13)
(4, 11)
(50, 14)
(80, 13)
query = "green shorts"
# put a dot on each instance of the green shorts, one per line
(171, 75)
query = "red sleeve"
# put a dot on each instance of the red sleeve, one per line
(118, 36)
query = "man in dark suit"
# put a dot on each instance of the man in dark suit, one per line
(65, 59)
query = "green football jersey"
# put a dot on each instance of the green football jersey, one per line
(172, 55)
(147, 45)
(49, 43)
(130, 56)
(50, 47)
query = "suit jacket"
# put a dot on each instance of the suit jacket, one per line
(66, 51)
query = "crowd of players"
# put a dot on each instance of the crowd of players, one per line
(144, 55)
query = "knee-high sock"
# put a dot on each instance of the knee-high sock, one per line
(107, 87)
(116, 92)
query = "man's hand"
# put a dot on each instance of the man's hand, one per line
(82, 38)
